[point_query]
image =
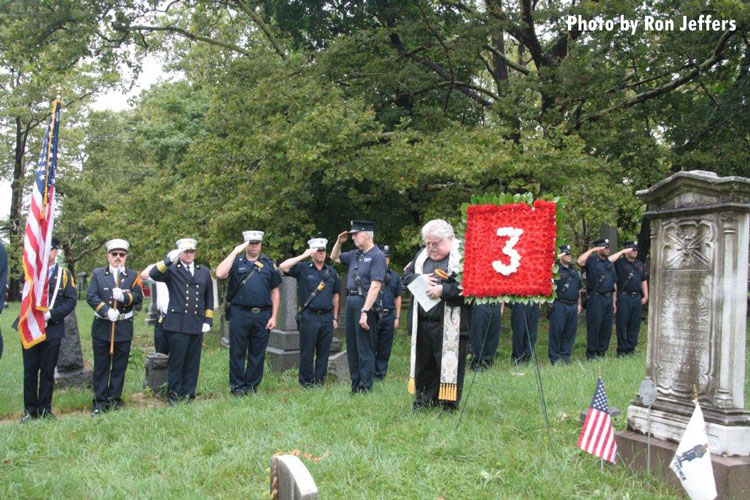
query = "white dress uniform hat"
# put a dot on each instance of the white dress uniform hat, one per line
(317, 243)
(253, 236)
(117, 244)
(186, 244)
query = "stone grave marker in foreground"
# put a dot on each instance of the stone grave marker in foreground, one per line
(696, 325)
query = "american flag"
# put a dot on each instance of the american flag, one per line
(38, 237)
(597, 436)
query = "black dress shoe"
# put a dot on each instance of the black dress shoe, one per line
(27, 417)
(47, 414)
(97, 411)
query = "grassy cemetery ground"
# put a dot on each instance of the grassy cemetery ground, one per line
(363, 446)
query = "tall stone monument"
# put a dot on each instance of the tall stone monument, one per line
(696, 322)
(71, 369)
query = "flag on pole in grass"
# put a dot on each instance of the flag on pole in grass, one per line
(692, 460)
(597, 436)
(37, 239)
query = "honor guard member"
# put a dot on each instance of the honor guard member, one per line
(162, 305)
(113, 292)
(601, 288)
(253, 299)
(632, 295)
(563, 317)
(440, 336)
(190, 314)
(39, 360)
(389, 304)
(363, 282)
(524, 322)
(485, 334)
(318, 298)
(3, 279)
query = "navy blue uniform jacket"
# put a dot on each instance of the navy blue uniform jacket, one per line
(191, 297)
(99, 297)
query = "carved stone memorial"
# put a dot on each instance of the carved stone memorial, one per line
(290, 479)
(157, 373)
(71, 369)
(696, 320)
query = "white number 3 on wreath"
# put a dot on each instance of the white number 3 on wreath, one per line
(513, 234)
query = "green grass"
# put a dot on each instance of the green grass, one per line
(363, 446)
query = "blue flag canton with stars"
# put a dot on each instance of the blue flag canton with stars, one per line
(41, 172)
(599, 401)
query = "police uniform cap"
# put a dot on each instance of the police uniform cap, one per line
(253, 236)
(55, 244)
(604, 242)
(317, 243)
(386, 250)
(565, 249)
(117, 244)
(631, 244)
(185, 244)
(361, 225)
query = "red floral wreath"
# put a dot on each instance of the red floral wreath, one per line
(529, 276)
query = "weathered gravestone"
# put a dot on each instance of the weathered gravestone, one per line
(696, 324)
(157, 372)
(71, 369)
(283, 342)
(290, 479)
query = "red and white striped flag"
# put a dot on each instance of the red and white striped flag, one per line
(597, 436)
(37, 239)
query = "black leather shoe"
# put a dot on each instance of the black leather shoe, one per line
(27, 417)
(47, 414)
(97, 411)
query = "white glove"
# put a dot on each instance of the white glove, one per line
(117, 294)
(173, 255)
(47, 315)
(206, 328)
(112, 314)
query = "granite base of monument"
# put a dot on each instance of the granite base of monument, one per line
(75, 378)
(71, 369)
(732, 474)
(338, 366)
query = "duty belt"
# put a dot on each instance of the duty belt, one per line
(386, 312)
(121, 317)
(565, 301)
(354, 293)
(252, 309)
(604, 294)
(320, 312)
(631, 294)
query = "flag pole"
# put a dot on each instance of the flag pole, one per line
(49, 153)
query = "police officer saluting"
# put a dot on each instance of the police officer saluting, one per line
(113, 292)
(190, 314)
(563, 318)
(601, 288)
(632, 295)
(39, 360)
(318, 287)
(364, 280)
(389, 305)
(253, 296)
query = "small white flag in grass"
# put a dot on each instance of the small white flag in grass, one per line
(692, 460)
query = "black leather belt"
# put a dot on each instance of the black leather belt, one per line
(353, 293)
(320, 312)
(569, 302)
(386, 312)
(252, 309)
(604, 294)
(631, 294)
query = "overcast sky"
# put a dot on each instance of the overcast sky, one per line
(114, 100)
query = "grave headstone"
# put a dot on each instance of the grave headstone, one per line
(156, 373)
(696, 322)
(71, 369)
(290, 479)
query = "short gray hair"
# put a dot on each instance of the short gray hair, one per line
(439, 228)
(370, 234)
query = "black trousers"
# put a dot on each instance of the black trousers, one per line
(384, 331)
(428, 361)
(563, 325)
(485, 333)
(360, 345)
(315, 337)
(248, 339)
(628, 323)
(184, 364)
(109, 372)
(599, 312)
(161, 343)
(524, 321)
(39, 364)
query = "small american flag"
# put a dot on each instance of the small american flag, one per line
(597, 436)
(38, 238)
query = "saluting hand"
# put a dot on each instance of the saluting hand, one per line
(239, 248)
(308, 253)
(342, 237)
(173, 255)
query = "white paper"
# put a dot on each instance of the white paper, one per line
(418, 288)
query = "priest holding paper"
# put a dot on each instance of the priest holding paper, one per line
(440, 320)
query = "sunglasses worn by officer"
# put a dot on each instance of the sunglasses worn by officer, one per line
(118, 254)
